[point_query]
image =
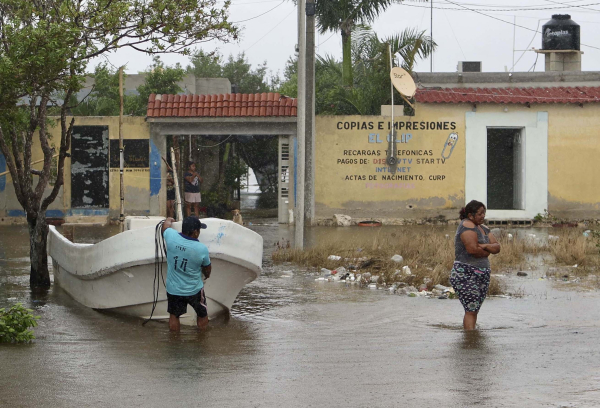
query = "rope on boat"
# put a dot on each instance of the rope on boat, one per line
(160, 253)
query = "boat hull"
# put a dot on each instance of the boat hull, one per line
(120, 274)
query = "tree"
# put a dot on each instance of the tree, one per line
(370, 61)
(159, 80)
(103, 99)
(45, 47)
(237, 69)
(343, 16)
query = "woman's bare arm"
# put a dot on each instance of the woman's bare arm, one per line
(469, 239)
(493, 247)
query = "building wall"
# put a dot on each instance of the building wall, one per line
(352, 179)
(139, 188)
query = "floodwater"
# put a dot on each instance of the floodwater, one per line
(294, 342)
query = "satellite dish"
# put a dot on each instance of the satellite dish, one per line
(403, 82)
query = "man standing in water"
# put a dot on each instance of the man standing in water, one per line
(187, 260)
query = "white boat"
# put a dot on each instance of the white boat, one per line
(118, 274)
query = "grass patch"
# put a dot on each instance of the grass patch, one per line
(429, 253)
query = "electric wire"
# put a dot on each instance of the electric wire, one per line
(528, 45)
(454, 34)
(508, 22)
(268, 32)
(260, 15)
(160, 253)
(579, 6)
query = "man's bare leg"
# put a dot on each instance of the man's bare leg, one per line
(202, 322)
(174, 323)
(470, 320)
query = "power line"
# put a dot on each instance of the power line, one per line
(508, 22)
(495, 10)
(260, 15)
(267, 33)
(580, 6)
(525, 7)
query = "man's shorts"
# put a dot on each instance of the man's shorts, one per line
(177, 305)
(193, 197)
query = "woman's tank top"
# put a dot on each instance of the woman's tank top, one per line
(460, 252)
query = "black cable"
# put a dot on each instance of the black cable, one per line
(507, 22)
(160, 252)
(260, 15)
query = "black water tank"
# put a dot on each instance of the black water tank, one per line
(560, 33)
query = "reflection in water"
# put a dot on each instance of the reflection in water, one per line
(295, 342)
(470, 359)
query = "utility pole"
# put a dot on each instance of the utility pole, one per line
(431, 34)
(309, 194)
(121, 154)
(300, 127)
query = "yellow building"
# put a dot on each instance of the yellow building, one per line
(523, 146)
(91, 188)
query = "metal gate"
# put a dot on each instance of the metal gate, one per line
(283, 194)
(89, 167)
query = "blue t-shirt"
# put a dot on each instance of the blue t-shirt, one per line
(185, 259)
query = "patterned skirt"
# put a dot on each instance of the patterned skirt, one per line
(470, 284)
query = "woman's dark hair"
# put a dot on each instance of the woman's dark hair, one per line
(471, 208)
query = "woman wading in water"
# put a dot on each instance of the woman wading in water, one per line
(470, 275)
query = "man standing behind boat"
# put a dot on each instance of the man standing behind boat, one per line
(187, 260)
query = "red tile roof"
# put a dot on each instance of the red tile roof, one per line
(223, 105)
(509, 95)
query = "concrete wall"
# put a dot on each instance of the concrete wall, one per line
(139, 187)
(352, 179)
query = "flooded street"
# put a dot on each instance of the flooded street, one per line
(294, 342)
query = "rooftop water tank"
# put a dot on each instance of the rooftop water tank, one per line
(560, 33)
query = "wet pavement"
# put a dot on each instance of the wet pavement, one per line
(294, 342)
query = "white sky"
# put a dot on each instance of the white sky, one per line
(462, 35)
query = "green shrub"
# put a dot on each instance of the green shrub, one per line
(15, 323)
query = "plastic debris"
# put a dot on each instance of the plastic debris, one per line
(426, 280)
(423, 287)
(374, 278)
(521, 273)
(397, 258)
(447, 236)
(340, 271)
(441, 287)
(552, 238)
(412, 294)
(372, 286)
(510, 236)
(587, 233)
(320, 279)
(406, 270)
(325, 271)
(334, 257)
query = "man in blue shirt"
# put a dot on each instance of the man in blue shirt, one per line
(187, 260)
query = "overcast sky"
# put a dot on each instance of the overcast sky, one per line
(461, 34)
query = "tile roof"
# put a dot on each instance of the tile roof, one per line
(509, 95)
(222, 105)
